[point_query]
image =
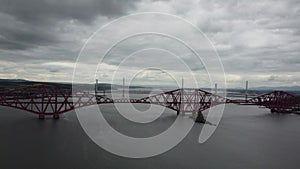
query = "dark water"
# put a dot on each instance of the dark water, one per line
(247, 137)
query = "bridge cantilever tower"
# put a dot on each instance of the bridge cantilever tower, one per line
(186, 100)
(46, 99)
(180, 100)
(276, 101)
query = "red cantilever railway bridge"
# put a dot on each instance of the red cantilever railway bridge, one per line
(45, 100)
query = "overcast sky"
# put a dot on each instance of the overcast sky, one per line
(257, 41)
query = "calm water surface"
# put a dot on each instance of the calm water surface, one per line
(247, 137)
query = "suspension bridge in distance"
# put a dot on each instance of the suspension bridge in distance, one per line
(53, 100)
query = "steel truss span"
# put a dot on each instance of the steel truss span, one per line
(52, 99)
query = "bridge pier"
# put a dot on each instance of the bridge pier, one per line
(56, 116)
(41, 116)
(200, 118)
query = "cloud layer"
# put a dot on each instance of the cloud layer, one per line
(256, 40)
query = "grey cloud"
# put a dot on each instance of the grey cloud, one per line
(155, 53)
(252, 37)
(11, 45)
(43, 11)
(33, 23)
(18, 35)
(272, 78)
(23, 38)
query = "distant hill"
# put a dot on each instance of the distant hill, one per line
(284, 88)
(16, 83)
(12, 83)
(13, 80)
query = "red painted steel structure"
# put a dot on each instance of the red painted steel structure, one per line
(276, 101)
(186, 100)
(46, 99)
(53, 100)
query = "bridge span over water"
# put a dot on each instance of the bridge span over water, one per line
(53, 100)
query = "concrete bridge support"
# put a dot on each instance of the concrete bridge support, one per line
(200, 118)
(41, 116)
(56, 116)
